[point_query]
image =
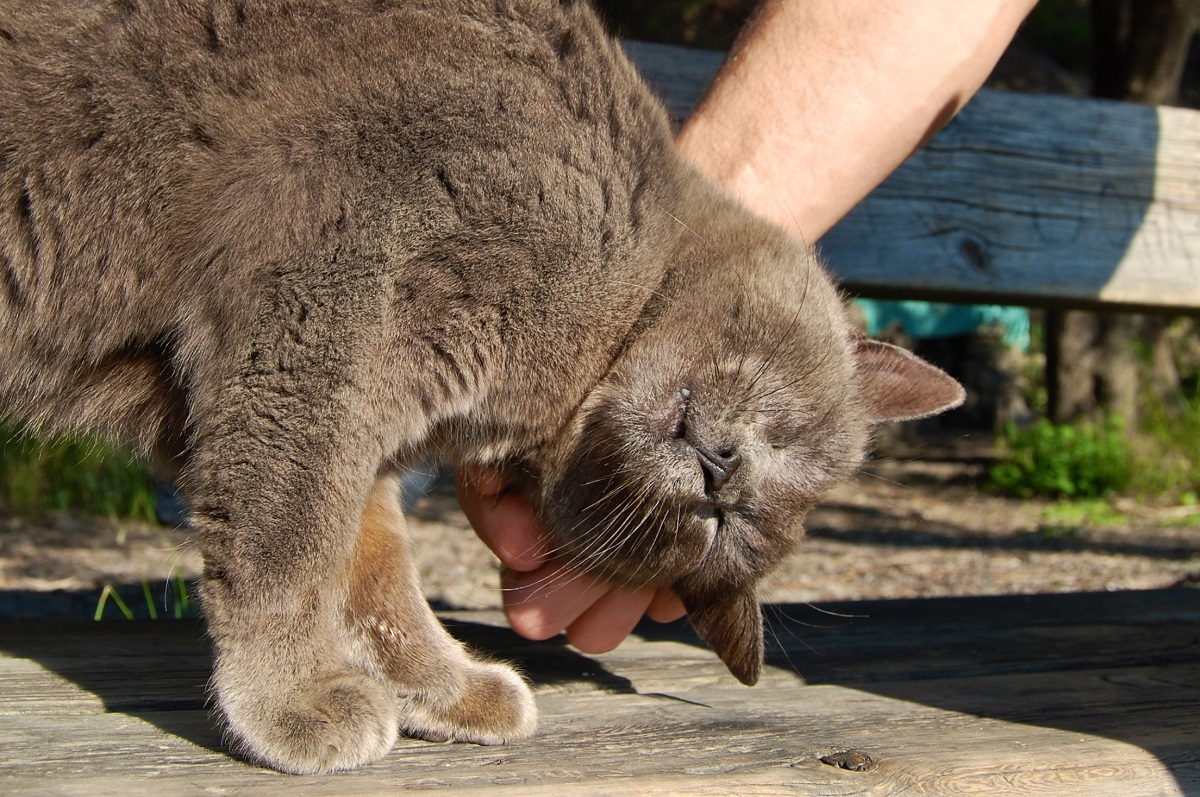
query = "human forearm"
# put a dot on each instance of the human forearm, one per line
(822, 99)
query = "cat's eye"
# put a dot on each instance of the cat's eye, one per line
(677, 426)
(783, 433)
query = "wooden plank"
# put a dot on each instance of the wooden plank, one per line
(1071, 694)
(1022, 199)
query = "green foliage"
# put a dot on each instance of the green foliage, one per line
(1164, 448)
(1081, 460)
(71, 473)
(1167, 450)
(175, 596)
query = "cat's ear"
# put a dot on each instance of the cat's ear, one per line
(896, 385)
(734, 630)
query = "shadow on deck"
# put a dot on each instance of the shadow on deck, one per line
(1079, 694)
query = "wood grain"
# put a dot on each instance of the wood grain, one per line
(1059, 695)
(1022, 199)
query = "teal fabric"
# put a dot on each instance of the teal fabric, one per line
(923, 320)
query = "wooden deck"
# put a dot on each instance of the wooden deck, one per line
(1080, 694)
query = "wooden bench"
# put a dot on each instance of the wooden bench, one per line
(1029, 200)
(1023, 199)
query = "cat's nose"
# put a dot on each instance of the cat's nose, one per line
(718, 465)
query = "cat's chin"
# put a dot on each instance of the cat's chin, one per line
(709, 520)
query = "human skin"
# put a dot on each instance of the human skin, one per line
(817, 103)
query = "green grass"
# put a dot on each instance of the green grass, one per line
(1081, 460)
(175, 593)
(79, 473)
(88, 475)
(1067, 519)
(1166, 450)
(1158, 462)
(1085, 512)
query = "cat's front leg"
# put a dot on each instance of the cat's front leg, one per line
(324, 646)
(291, 680)
(286, 440)
(445, 693)
(321, 676)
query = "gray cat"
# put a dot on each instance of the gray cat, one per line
(287, 247)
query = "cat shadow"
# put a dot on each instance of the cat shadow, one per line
(158, 670)
(550, 662)
(1122, 665)
(153, 670)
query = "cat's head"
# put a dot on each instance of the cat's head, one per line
(743, 397)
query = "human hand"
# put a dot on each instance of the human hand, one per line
(542, 595)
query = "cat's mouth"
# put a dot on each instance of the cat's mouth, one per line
(711, 521)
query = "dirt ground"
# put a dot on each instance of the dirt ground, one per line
(915, 524)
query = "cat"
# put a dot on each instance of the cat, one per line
(286, 247)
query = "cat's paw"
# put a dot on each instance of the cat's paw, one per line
(332, 723)
(494, 706)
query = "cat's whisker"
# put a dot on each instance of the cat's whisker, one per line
(643, 529)
(772, 628)
(587, 561)
(795, 222)
(620, 534)
(826, 612)
(611, 539)
(577, 564)
(689, 229)
(679, 521)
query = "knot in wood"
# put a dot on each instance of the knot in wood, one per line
(975, 252)
(853, 760)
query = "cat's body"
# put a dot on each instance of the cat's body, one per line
(287, 247)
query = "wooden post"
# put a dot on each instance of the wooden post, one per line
(1139, 48)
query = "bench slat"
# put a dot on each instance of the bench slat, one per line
(1022, 199)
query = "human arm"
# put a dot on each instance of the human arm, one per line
(820, 100)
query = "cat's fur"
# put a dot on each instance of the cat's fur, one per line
(287, 246)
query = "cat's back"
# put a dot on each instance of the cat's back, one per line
(166, 166)
(150, 147)
(162, 80)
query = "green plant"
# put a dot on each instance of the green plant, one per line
(74, 472)
(1079, 513)
(175, 590)
(1166, 450)
(1081, 460)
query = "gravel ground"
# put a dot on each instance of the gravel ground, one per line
(902, 528)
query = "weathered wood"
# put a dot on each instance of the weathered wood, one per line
(1022, 199)
(1069, 694)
